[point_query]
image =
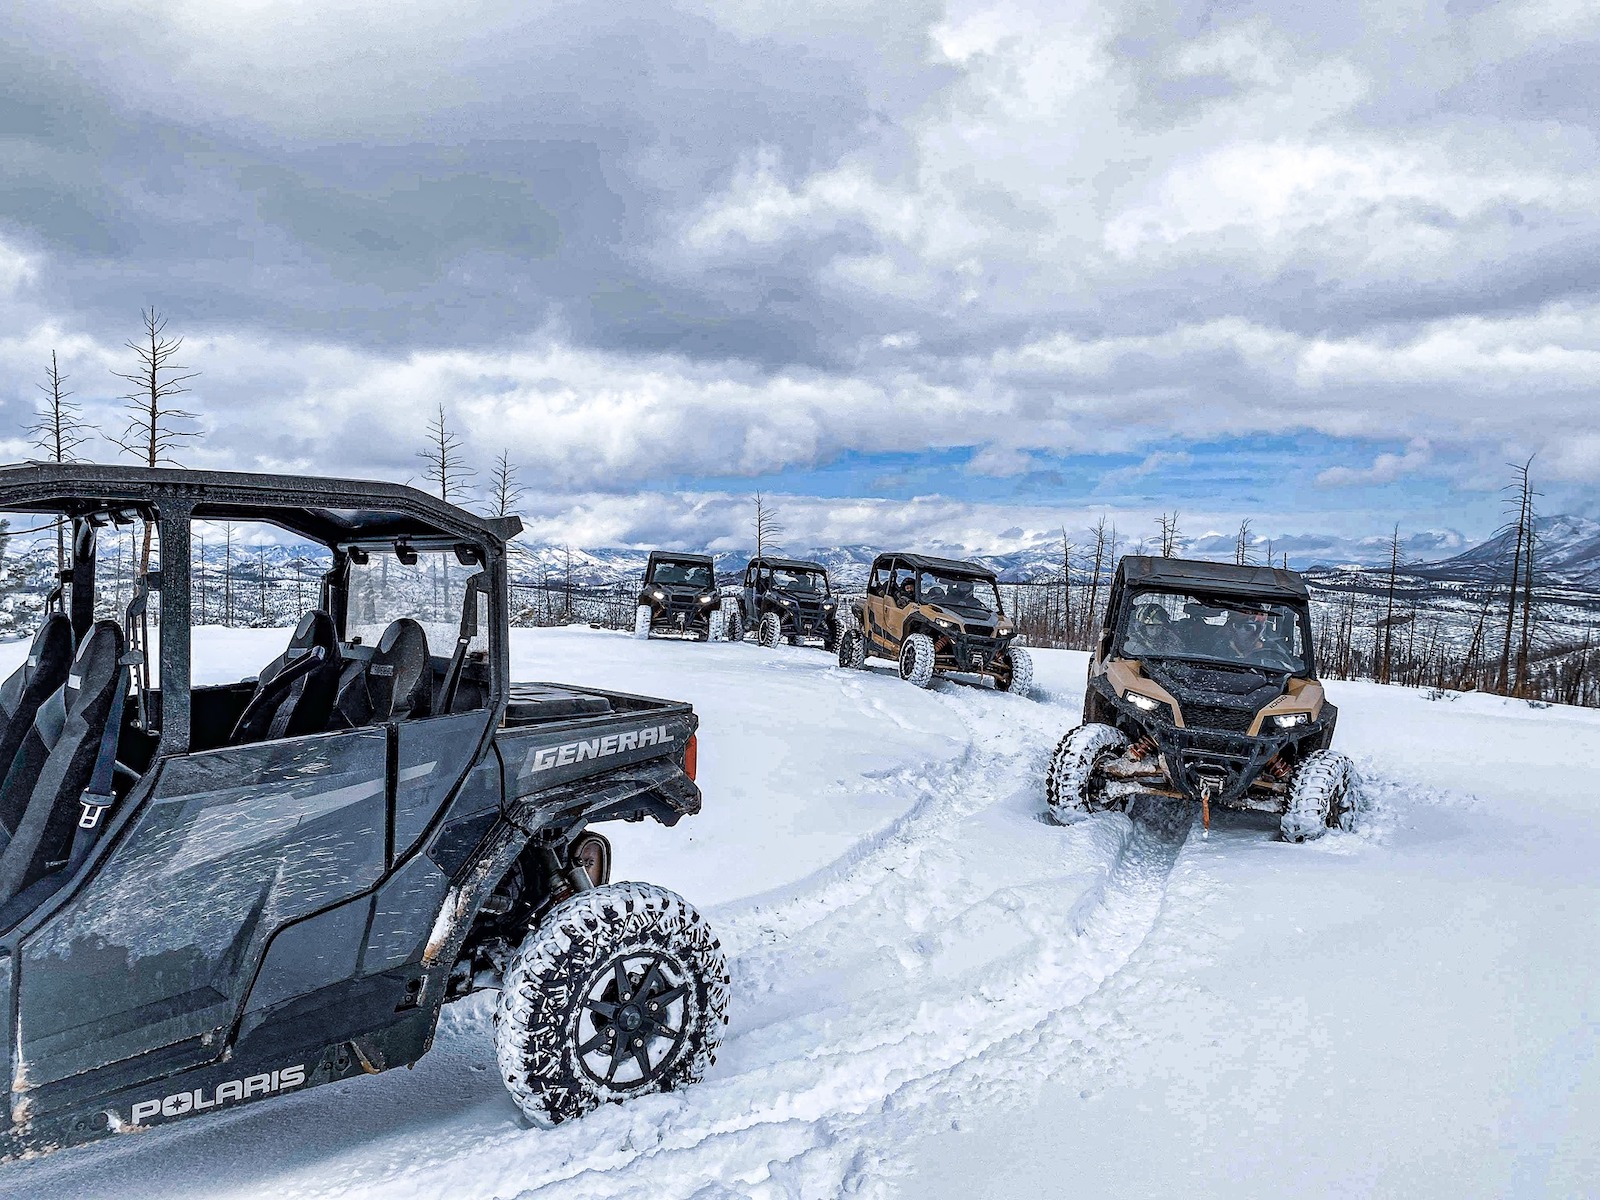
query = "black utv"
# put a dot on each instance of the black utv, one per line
(679, 596)
(785, 600)
(212, 895)
(1203, 686)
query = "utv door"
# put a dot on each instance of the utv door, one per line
(156, 955)
(885, 617)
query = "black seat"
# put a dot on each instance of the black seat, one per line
(30, 685)
(295, 692)
(55, 762)
(395, 683)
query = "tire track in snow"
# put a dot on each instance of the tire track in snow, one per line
(856, 993)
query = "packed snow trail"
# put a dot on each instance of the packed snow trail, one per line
(935, 993)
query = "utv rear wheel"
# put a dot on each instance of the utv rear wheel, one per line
(1073, 786)
(641, 621)
(771, 631)
(852, 649)
(1014, 671)
(619, 992)
(916, 660)
(1322, 796)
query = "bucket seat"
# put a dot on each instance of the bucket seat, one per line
(44, 672)
(392, 685)
(295, 692)
(56, 762)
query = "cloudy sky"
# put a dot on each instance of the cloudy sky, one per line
(928, 271)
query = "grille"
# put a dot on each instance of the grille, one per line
(1215, 716)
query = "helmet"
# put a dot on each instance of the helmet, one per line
(1151, 614)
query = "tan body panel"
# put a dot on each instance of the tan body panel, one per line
(1125, 675)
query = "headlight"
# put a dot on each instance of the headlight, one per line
(658, 594)
(707, 599)
(1143, 703)
(1003, 630)
(1290, 720)
(944, 624)
(829, 605)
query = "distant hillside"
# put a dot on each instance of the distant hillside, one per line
(1566, 551)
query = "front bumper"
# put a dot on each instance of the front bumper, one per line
(968, 652)
(1217, 764)
(679, 611)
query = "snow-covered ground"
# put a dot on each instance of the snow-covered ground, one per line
(936, 994)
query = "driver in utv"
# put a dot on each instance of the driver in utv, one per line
(1203, 686)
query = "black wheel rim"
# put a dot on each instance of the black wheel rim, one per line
(632, 1021)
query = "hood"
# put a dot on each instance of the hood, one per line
(1214, 685)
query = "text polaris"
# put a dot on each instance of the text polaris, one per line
(181, 1104)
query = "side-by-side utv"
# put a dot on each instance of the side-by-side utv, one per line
(210, 895)
(784, 600)
(933, 616)
(1203, 686)
(679, 596)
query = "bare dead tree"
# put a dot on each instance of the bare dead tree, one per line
(444, 466)
(1530, 545)
(57, 432)
(766, 523)
(156, 426)
(1241, 545)
(504, 493)
(1066, 587)
(1520, 527)
(1169, 535)
(1104, 547)
(227, 574)
(1387, 661)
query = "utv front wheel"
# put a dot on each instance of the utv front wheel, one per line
(916, 660)
(1014, 671)
(641, 621)
(620, 991)
(830, 637)
(852, 649)
(734, 626)
(1073, 786)
(716, 627)
(1322, 796)
(771, 631)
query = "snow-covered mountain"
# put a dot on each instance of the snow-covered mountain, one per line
(1566, 550)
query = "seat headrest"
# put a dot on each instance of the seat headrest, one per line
(52, 646)
(398, 672)
(95, 670)
(315, 629)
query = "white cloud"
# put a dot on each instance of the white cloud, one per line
(1386, 468)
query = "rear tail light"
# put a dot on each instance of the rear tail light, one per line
(691, 756)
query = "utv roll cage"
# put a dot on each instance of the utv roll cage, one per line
(1138, 573)
(790, 564)
(349, 517)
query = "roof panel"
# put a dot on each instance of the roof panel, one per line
(1147, 571)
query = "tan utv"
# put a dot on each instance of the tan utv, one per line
(1203, 686)
(934, 616)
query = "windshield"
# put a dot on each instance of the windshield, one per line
(791, 579)
(958, 591)
(1185, 625)
(681, 574)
